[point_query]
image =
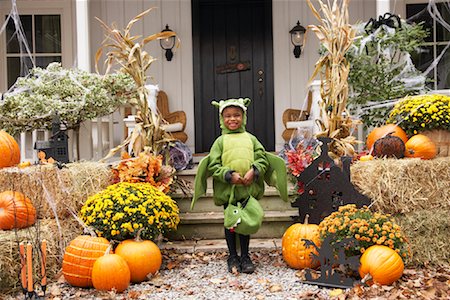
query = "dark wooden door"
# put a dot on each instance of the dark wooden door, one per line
(233, 57)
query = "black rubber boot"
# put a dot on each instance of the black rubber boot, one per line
(234, 264)
(247, 265)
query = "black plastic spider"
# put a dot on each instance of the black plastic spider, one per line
(387, 19)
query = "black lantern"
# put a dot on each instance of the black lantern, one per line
(297, 33)
(168, 43)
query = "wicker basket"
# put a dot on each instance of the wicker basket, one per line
(442, 140)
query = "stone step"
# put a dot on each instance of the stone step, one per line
(270, 201)
(218, 245)
(209, 225)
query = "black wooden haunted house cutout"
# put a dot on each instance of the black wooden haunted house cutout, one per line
(326, 187)
(57, 146)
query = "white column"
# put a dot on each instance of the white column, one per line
(83, 54)
(383, 6)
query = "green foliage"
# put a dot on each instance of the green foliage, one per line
(381, 69)
(75, 95)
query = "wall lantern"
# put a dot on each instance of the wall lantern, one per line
(168, 43)
(297, 33)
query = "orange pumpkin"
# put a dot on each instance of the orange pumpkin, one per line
(384, 130)
(9, 150)
(294, 251)
(420, 146)
(16, 210)
(381, 265)
(79, 259)
(109, 272)
(142, 256)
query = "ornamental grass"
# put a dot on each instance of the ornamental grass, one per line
(122, 209)
(421, 113)
(367, 227)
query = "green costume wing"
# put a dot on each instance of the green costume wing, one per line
(200, 184)
(276, 175)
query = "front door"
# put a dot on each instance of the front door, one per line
(233, 57)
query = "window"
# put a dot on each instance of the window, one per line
(435, 43)
(43, 35)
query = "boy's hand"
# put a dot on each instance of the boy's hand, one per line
(249, 176)
(236, 178)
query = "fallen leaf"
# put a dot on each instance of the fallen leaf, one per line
(275, 288)
(335, 292)
(171, 265)
(218, 280)
(260, 297)
(263, 280)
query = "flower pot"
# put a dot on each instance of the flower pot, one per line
(442, 140)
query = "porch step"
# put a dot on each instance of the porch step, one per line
(206, 220)
(217, 245)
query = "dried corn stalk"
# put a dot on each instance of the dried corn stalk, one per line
(125, 51)
(336, 36)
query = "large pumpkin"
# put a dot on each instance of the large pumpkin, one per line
(9, 150)
(384, 130)
(109, 272)
(79, 259)
(382, 264)
(142, 256)
(16, 210)
(420, 146)
(295, 253)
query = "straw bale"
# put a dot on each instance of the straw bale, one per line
(58, 234)
(404, 185)
(55, 191)
(428, 235)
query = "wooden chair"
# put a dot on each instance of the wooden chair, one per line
(294, 116)
(176, 120)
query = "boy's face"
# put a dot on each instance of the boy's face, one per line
(232, 117)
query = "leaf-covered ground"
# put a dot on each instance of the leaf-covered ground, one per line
(204, 276)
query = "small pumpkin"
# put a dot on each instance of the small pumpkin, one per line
(110, 272)
(420, 146)
(79, 259)
(381, 265)
(383, 131)
(9, 150)
(366, 157)
(16, 210)
(142, 256)
(295, 253)
(389, 146)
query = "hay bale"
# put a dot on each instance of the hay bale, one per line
(398, 186)
(57, 236)
(55, 191)
(428, 235)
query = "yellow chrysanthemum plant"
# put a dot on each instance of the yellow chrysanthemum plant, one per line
(416, 114)
(122, 209)
(366, 227)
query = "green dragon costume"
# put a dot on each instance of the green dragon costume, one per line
(237, 150)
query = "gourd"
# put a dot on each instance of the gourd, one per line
(389, 146)
(16, 210)
(79, 259)
(420, 146)
(381, 265)
(142, 256)
(384, 130)
(295, 253)
(9, 150)
(109, 272)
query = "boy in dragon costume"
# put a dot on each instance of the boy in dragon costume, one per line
(239, 166)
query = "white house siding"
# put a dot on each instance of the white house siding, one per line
(176, 77)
